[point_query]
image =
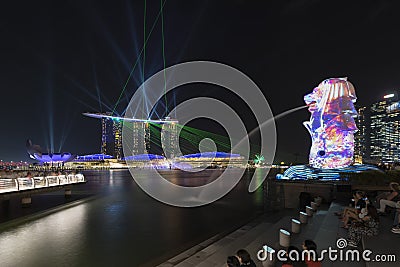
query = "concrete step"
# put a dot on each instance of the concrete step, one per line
(218, 246)
(309, 230)
(323, 228)
(252, 237)
(271, 238)
(263, 234)
(218, 253)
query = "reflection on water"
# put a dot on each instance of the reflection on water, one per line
(30, 244)
(124, 226)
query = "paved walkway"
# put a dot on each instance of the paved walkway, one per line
(324, 228)
(385, 243)
(262, 231)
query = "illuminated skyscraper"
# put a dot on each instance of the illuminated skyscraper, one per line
(384, 133)
(141, 138)
(360, 137)
(111, 138)
(170, 139)
(143, 131)
(378, 139)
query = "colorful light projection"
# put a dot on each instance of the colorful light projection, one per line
(332, 124)
(35, 152)
(53, 157)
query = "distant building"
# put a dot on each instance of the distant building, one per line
(210, 160)
(170, 139)
(384, 133)
(111, 137)
(95, 161)
(35, 152)
(141, 138)
(143, 132)
(360, 144)
(378, 139)
(153, 135)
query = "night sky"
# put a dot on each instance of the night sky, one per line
(61, 58)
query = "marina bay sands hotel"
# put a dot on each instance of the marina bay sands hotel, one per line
(144, 131)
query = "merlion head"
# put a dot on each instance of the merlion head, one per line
(332, 124)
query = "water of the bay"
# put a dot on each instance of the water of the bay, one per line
(120, 225)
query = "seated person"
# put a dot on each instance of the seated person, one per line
(244, 258)
(396, 223)
(358, 195)
(390, 200)
(384, 195)
(354, 213)
(232, 261)
(368, 225)
(312, 258)
(294, 258)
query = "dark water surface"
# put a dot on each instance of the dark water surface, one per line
(120, 226)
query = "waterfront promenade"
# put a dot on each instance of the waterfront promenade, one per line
(323, 227)
(12, 185)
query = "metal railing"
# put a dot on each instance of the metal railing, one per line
(26, 183)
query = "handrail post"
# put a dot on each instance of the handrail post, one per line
(16, 182)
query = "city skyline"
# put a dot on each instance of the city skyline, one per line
(378, 138)
(62, 59)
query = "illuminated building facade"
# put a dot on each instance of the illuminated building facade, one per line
(378, 139)
(360, 137)
(111, 137)
(141, 138)
(143, 130)
(112, 127)
(384, 130)
(35, 152)
(170, 139)
(210, 160)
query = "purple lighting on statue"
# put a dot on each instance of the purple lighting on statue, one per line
(332, 124)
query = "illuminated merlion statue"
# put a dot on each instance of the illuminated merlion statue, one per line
(332, 124)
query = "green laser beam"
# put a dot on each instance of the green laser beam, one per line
(144, 50)
(163, 54)
(137, 60)
(194, 136)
